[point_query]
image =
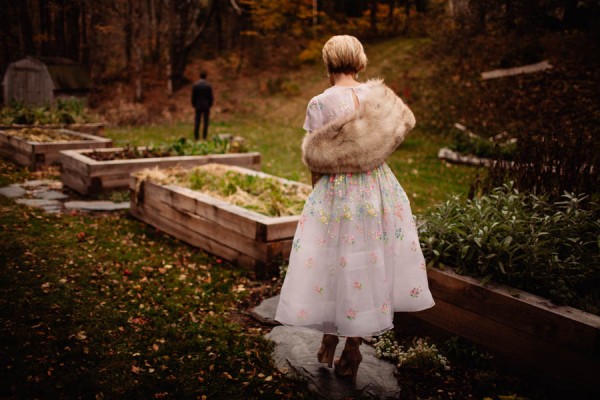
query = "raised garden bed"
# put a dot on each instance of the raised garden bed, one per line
(559, 341)
(94, 128)
(35, 147)
(85, 175)
(252, 240)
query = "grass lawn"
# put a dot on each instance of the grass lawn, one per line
(104, 306)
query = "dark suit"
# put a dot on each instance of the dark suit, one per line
(202, 101)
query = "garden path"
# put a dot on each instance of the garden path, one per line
(295, 352)
(48, 195)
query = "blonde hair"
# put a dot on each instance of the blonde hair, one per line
(344, 54)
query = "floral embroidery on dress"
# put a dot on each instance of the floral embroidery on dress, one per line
(321, 242)
(385, 307)
(423, 265)
(399, 234)
(310, 262)
(296, 244)
(351, 314)
(319, 289)
(373, 257)
(343, 262)
(415, 292)
(347, 213)
(398, 211)
(301, 222)
(413, 246)
(302, 314)
(348, 238)
(358, 285)
(371, 210)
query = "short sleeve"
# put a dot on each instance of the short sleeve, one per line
(314, 119)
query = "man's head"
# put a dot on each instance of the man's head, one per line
(202, 75)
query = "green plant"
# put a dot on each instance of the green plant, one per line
(63, 111)
(265, 195)
(548, 248)
(420, 355)
(485, 148)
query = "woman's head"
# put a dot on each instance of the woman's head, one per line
(344, 54)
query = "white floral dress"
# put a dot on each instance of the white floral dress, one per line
(355, 256)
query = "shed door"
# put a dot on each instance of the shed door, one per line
(27, 86)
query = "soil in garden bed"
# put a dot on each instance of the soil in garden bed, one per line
(179, 148)
(264, 195)
(42, 135)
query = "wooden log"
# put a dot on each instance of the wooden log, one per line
(526, 69)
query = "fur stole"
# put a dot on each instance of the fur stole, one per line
(362, 140)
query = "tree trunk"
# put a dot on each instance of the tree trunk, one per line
(374, 17)
(25, 31)
(128, 30)
(138, 59)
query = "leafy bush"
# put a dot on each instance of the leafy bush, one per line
(421, 355)
(547, 248)
(63, 111)
(483, 148)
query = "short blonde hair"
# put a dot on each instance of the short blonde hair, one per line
(344, 54)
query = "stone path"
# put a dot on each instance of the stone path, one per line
(48, 195)
(295, 352)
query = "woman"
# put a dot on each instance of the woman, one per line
(355, 256)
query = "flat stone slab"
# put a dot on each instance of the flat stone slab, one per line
(265, 311)
(296, 352)
(12, 191)
(38, 183)
(40, 203)
(97, 205)
(50, 195)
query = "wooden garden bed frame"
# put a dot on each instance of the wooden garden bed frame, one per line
(37, 154)
(88, 176)
(93, 128)
(559, 341)
(253, 241)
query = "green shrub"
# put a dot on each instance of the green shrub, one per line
(547, 248)
(63, 111)
(483, 148)
(421, 355)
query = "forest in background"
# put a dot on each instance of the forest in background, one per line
(121, 40)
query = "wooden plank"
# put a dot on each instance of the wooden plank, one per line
(198, 225)
(281, 228)
(564, 326)
(75, 181)
(200, 241)
(132, 165)
(549, 358)
(229, 216)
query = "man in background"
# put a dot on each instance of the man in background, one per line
(202, 100)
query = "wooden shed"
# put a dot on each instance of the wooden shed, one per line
(41, 80)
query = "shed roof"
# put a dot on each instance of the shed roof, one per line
(66, 74)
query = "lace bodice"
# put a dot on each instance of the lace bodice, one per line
(332, 103)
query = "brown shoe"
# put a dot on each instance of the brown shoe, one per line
(347, 364)
(327, 350)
